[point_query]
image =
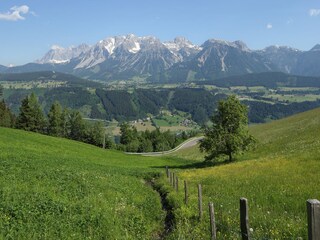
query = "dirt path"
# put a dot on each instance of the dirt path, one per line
(166, 207)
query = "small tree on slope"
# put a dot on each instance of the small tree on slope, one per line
(31, 117)
(228, 134)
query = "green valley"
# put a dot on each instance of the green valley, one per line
(269, 96)
(57, 188)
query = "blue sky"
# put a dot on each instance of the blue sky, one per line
(29, 28)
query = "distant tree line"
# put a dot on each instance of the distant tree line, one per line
(59, 122)
(66, 123)
(149, 141)
(7, 119)
(126, 106)
(265, 79)
(123, 106)
(259, 112)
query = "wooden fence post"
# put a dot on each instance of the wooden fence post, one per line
(200, 201)
(212, 222)
(177, 184)
(185, 192)
(244, 219)
(167, 171)
(170, 175)
(313, 212)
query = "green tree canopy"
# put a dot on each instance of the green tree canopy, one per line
(128, 134)
(228, 134)
(77, 127)
(1, 91)
(31, 117)
(55, 120)
(97, 134)
(6, 117)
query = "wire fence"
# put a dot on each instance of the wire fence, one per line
(244, 230)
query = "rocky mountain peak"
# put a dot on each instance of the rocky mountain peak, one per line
(241, 45)
(217, 43)
(316, 48)
(122, 57)
(58, 54)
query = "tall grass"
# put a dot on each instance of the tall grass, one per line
(277, 178)
(53, 188)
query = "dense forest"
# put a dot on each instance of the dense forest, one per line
(260, 112)
(266, 79)
(94, 101)
(66, 123)
(125, 106)
(59, 122)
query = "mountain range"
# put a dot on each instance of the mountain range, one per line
(126, 57)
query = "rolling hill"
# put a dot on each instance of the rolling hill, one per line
(277, 178)
(59, 189)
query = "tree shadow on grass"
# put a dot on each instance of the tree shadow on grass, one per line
(197, 165)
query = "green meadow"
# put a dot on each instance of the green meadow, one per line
(277, 178)
(52, 188)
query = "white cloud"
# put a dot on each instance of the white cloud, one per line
(15, 13)
(314, 12)
(269, 26)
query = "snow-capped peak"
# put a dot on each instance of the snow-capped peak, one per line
(136, 48)
(275, 48)
(56, 47)
(179, 43)
(58, 54)
(236, 44)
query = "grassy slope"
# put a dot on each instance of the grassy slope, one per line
(283, 172)
(56, 188)
(53, 188)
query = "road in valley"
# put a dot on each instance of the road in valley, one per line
(187, 144)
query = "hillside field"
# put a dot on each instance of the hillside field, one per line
(277, 178)
(52, 188)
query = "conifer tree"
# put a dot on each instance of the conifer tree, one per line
(24, 118)
(55, 120)
(64, 122)
(1, 91)
(31, 117)
(77, 127)
(6, 117)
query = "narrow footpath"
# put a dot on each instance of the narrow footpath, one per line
(167, 208)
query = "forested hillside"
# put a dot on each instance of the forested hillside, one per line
(268, 95)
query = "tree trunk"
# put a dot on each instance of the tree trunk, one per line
(230, 157)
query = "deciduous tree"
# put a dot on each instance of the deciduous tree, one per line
(228, 134)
